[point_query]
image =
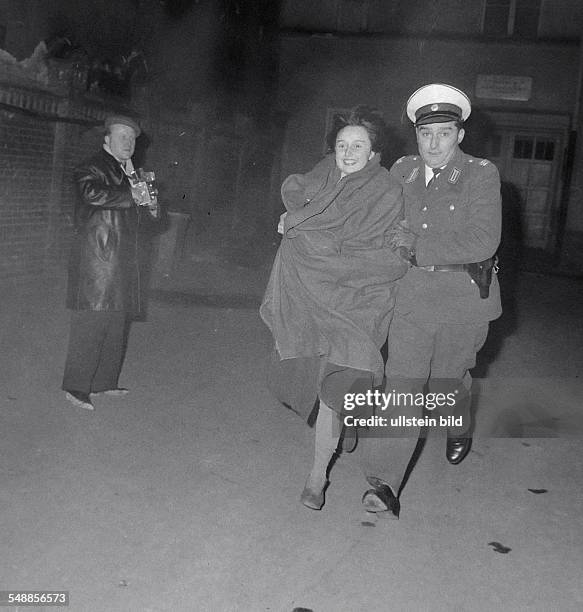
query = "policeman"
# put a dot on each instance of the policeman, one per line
(451, 230)
(450, 234)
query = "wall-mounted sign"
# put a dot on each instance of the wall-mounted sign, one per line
(503, 87)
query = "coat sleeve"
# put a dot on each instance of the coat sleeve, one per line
(479, 237)
(96, 190)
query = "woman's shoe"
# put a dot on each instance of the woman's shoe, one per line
(381, 499)
(313, 497)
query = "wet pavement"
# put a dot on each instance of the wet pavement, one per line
(183, 496)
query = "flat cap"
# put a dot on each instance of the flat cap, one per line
(122, 120)
(438, 103)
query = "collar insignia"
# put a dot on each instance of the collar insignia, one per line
(454, 176)
(412, 176)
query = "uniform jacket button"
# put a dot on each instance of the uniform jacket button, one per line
(424, 225)
(424, 209)
(451, 207)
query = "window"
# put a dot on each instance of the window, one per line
(545, 150)
(523, 146)
(511, 18)
(531, 147)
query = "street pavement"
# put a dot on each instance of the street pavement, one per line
(184, 495)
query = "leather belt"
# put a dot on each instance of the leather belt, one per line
(447, 268)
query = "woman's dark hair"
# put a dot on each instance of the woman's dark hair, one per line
(363, 116)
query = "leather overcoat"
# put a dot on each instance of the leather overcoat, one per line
(104, 270)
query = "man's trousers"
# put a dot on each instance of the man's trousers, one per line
(421, 352)
(97, 346)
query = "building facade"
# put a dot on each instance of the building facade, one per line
(519, 60)
(197, 74)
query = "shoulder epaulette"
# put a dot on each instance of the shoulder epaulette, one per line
(480, 162)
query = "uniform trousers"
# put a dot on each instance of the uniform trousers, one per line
(419, 352)
(97, 346)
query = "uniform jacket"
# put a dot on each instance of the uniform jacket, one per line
(103, 270)
(458, 220)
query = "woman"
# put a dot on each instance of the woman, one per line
(330, 296)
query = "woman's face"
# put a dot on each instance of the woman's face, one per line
(353, 149)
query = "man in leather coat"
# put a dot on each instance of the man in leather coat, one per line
(104, 274)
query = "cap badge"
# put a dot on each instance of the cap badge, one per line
(434, 107)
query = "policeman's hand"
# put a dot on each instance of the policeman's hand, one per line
(404, 254)
(402, 236)
(402, 240)
(281, 221)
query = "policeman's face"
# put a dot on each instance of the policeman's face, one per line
(353, 149)
(121, 140)
(438, 142)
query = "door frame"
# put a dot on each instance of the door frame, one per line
(533, 122)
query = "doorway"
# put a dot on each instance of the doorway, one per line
(528, 151)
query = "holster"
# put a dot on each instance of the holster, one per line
(481, 273)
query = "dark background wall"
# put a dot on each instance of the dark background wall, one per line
(25, 183)
(339, 53)
(200, 83)
(235, 95)
(318, 73)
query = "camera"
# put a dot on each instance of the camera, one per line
(143, 184)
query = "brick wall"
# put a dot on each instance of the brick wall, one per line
(37, 156)
(26, 160)
(44, 135)
(73, 144)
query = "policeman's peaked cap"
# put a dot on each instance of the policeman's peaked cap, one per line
(122, 120)
(438, 103)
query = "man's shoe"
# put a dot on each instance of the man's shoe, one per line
(381, 499)
(457, 449)
(79, 399)
(119, 392)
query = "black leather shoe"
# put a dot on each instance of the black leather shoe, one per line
(457, 449)
(381, 499)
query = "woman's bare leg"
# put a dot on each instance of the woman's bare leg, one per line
(326, 442)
